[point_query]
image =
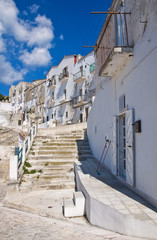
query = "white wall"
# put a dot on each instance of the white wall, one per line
(60, 87)
(139, 84)
(5, 113)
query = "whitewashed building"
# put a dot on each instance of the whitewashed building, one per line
(84, 88)
(34, 106)
(59, 92)
(69, 90)
(16, 96)
(124, 111)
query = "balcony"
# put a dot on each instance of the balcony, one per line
(63, 100)
(92, 68)
(79, 76)
(113, 50)
(80, 100)
(63, 77)
(52, 82)
(50, 103)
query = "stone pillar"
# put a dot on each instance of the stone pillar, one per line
(13, 174)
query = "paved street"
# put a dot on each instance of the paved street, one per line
(19, 225)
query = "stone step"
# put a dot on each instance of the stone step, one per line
(48, 178)
(53, 186)
(84, 152)
(53, 152)
(75, 207)
(55, 143)
(64, 140)
(83, 148)
(49, 162)
(59, 138)
(59, 148)
(52, 156)
(85, 156)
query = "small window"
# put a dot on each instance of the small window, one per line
(66, 114)
(52, 116)
(122, 103)
(81, 92)
(53, 95)
(19, 122)
(65, 93)
(47, 118)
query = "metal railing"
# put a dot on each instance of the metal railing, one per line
(78, 75)
(33, 130)
(92, 67)
(20, 155)
(30, 134)
(63, 75)
(115, 35)
(81, 99)
(26, 146)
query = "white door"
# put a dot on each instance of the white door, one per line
(129, 147)
(122, 146)
(114, 146)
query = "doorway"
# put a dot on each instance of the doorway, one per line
(81, 117)
(86, 114)
(122, 147)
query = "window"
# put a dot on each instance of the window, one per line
(40, 92)
(81, 70)
(66, 114)
(65, 92)
(81, 92)
(65, 71)
(52, 95)
(122, 103)
(47, 118)
(52, 115)
(19, 122)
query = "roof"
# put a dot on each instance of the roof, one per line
(60, 62)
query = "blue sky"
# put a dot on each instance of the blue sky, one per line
(34, 35)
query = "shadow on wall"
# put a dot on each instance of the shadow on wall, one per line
(89, 166)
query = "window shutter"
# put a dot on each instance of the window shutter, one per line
(129, 147)
(114, 146)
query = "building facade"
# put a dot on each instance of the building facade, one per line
(84, 88)
(70, 90)
(16, 96)
(34, 106)
(124, 111)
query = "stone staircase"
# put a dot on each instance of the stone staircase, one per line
(50, 163)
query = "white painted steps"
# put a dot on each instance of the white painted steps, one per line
(76, 206)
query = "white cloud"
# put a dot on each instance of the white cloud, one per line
(61, 37)
(43, 21)
(25, 13)
(8, 74)
(2, 43)
(41, 29)
(37, 36)
(34, 8)
(38, 57)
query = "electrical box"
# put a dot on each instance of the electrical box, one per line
(137, 126)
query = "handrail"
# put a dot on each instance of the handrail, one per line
(26, 145)
(79, 75)
(20, 155)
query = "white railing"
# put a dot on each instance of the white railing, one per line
(21, 153)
